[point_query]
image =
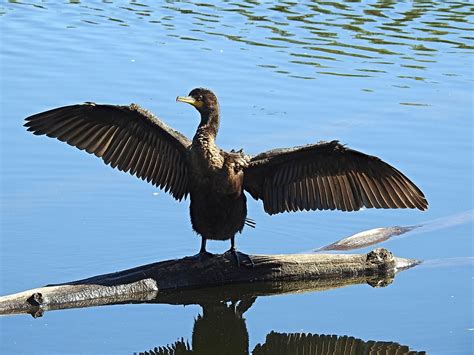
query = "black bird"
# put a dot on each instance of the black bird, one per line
(320, 176)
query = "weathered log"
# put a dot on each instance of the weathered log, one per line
(155, 282)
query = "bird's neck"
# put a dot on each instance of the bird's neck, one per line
(204, 142)
(209, 123)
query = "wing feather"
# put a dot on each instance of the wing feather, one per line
(343, 203)
(322, 193)
(128, 138)
(327, 176)
(313, 195)
(97, 132)
(151, 165)
(105, 142)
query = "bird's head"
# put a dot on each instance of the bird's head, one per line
(204, 100)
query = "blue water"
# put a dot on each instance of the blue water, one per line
(392, 79)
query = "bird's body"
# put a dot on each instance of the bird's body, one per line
(320, 176)
(218, 205)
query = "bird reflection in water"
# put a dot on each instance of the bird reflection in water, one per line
(221, 329)
(225, 325)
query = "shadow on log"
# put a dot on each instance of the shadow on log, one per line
(187, 280)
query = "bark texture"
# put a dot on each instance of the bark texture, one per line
(177, 281)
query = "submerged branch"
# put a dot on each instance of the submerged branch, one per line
(170, 281)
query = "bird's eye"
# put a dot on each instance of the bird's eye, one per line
(200, 98)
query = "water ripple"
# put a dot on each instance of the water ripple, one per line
(333, 35)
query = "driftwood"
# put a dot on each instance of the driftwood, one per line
(176, 281)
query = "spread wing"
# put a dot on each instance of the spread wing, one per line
(327, 176)
(128, 138)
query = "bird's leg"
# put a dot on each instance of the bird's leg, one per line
(203, 245)
(245, 304)
(203, 253)
(237, 255)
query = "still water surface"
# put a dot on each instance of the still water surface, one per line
(390, 78)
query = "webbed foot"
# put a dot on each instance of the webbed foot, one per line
(201, 256)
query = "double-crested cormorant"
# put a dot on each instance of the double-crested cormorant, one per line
(318, 176)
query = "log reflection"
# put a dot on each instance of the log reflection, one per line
(221, 329)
